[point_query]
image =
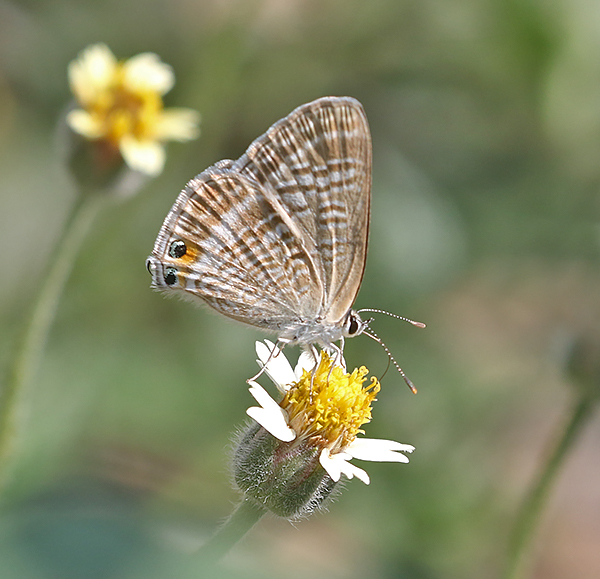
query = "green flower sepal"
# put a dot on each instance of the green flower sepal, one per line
(285, 478)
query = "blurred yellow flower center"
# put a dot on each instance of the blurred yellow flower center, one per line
(332, 405)
(121, 111)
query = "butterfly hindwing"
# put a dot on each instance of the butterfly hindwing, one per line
(241, 258)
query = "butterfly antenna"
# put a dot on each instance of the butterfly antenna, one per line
(386, 370)
(375, 337)
(418, 324)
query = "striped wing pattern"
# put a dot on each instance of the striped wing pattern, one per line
(317, 161)
(278, 238)
(241, 257)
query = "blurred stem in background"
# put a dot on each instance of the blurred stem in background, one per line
(18, 388)
(584, 369)
(524, 530)
(241, 520)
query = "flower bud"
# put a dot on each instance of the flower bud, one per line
(284, 477)
(97, 165)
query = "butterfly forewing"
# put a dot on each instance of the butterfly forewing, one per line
(317, 162)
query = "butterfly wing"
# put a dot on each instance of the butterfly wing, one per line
(316, 163)
(242, 255)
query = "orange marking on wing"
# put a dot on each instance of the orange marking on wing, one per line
(190, 255)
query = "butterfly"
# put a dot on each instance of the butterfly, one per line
(278, 238)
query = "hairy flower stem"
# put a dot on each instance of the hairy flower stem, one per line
(16, 394)
(528, 518)
(243, 518)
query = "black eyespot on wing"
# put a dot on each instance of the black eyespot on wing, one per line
(177, 249)
(148, 265)
(170, 276)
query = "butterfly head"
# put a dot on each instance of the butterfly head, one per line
(354, 325)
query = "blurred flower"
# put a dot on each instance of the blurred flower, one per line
(121, 104)
(294, 457)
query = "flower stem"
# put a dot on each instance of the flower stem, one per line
(16, 394)
(243, 518)
(523, 533)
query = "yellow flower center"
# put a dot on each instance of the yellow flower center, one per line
(121, 110)
(331, 405)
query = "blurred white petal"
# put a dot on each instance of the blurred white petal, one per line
(84, 124)
(146, 72)
(145, 156)
(177, 124)
(92, 72)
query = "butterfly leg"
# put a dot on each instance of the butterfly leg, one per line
(316, 357)
(277, 349)
(337, 357)
(336, 354)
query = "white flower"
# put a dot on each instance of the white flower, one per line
(121, 103)
(324, 405)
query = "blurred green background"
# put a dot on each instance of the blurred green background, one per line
(485, 117)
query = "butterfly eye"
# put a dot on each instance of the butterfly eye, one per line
(352, 326)
(177, 249)
(170, 276)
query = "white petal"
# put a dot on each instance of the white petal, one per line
(337, 464)
(146, 72)
(306, 361)
(267, 420)
(177, 125)
(145, 156)
(261, 395)
(350, 471)
(378, 450)
(84, 124)
(270, 415)
(331, 465)
(92, 72)
(276, 366)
